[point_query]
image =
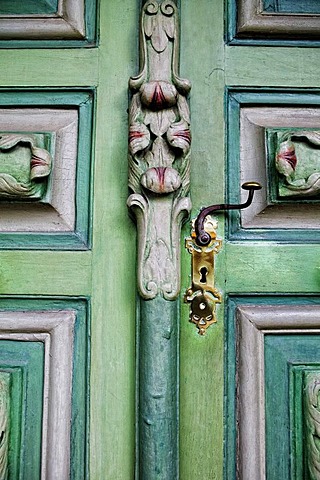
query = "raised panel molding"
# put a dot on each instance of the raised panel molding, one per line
(67, 21)
(53, 210)
(252, 22)
(254, 118)
(270, 342)
(59, 387)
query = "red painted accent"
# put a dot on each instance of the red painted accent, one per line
(158, 99)
(185, 134)
(161, 171)
(135, 134)
(37, 162)
(289, 156)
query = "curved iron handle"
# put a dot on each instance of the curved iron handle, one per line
(203, 238)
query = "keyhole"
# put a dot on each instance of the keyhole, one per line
(203, 272)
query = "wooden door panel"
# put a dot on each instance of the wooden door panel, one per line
(271, 386)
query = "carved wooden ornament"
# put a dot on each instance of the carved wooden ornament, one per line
(40, 168)
(159, 146)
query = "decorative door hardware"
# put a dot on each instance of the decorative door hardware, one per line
(202, 295)
(202, 237)
(203, 245)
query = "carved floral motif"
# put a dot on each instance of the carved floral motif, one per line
(40, 167)
(159, 146)
(298, 162)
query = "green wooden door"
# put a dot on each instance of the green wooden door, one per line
(249, 387)
(246, 408)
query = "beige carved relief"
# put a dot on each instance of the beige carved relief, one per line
(13, 186)
(159, 147)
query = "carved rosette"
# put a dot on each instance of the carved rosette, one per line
(159, 149)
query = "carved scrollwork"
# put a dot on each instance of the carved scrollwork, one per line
(40, 167)
(159, 151)
(298, 162)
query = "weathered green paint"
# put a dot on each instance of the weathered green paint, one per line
(281, 352)
(107, 272)
(157, 408)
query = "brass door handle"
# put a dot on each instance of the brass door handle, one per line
(203, 238)
(203, 244)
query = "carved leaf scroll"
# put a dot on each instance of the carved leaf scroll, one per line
(298, 163)
(159, 151)
(40, 167)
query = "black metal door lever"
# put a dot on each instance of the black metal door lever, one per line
(202, 237)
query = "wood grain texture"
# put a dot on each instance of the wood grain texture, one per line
(112, 436)
(201, 367)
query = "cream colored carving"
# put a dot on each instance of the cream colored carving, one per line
(159, 149)
(4, 423)
(40, 167)
(312, 419)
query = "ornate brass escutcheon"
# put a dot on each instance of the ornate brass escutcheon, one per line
(202, 295)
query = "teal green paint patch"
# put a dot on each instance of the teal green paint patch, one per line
(157, 398)
(80, 377)
(33, 7)
(298, 440)
(282, 353)
(24, 361)
(236, 99)
(291, 6)
(83, 100)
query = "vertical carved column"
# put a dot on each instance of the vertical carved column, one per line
(159, 171)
